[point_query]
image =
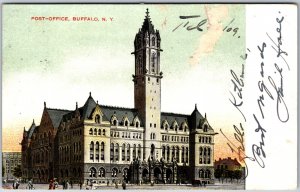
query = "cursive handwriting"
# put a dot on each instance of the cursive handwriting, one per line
(257, 150)
(229, 28)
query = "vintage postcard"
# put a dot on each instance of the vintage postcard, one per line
(149, 96)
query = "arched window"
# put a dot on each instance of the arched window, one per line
(187, 154)
(209, 140)
(201, 150)
(128, 152)
(153, 41)
(205, 151)
(208, 151)
(114, 172)
(139, 151)
(115, 122)
(201, 173)
(126, 123)
(92, 151)
(134, 152)
(163, 151)
(206, 139)
(153, 58)
(95, 131)
(97, 151)
(137, 124)
(168, 153)
(173, 152)
(123, 152)
(112, 152)
(177, 154)
(152, 152)
(101, 172)
(103, 132)
(182, 155)
(91, 131)
(102, 151)
(92, 172)
(200, 160)
(99, 131)
(117, 152)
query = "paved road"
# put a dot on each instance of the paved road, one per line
(216, 186)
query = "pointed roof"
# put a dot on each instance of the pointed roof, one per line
(31, 130)
(195, 118)
(88, 107)
(147, 25)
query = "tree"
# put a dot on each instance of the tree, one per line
(238, 175)
(17, 171)
(218, 174)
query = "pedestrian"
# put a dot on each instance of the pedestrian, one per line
(14, 184)
(17, 184)
(124, 185)
(80, 185)
(71, 182)
(55, 184)
(30, 185)
(67, 184)
(51, 185)
(64, 184)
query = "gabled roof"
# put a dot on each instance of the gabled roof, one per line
(119, 112)
(171, 117)
(56, 115)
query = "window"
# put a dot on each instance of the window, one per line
(139, 151)
(134, 152)
(205, 128)
(137, 124)
(163, 151)
(92, 172)
(112, 152)
(150, 124)
(153, 41)
(154, 125)
(114, 172)
(97, 119)
(99, 131)
(117, 152)
(103, 132)
(126, 123)
(91, 131)
(101, 172)
(128, 152)
(153, 58)
(182, 154)
(123, 152)
(102, 151)
(152, 152)
(95, 131)
(92, 151)
(115, 122)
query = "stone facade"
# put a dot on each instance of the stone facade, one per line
(101, 144)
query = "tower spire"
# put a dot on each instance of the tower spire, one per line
(147, 13)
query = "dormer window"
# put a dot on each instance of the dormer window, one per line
(126, 123)
(115, 122)
(97, 119)
(137, 124)
(205, 128)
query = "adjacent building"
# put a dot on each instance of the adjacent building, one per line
(100, 143)
(10, 160)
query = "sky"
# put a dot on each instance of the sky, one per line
(60, 62)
